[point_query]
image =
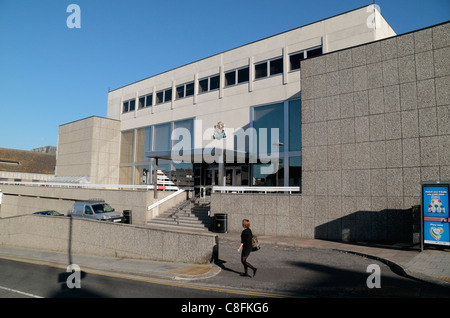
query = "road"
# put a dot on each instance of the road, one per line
(282, 270)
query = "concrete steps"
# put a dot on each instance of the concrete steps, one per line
(186, 215)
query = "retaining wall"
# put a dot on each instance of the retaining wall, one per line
(79, 236)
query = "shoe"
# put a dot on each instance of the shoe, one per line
(254, 272)
(245, 275)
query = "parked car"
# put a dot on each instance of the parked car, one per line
(96, 210)
(50, 212)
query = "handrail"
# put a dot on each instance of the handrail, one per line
(89, 185)
(154, 205)
(242, 189)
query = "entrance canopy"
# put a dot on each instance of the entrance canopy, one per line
(201, 155)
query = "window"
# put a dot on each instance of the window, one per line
(276, 66)
(294, 60)
(230, 78)
(237, 76)
(203, 85)
(161, 137)
(261, 70)
(243, 75)
(269, 117)
(269, 68)
(271, 122)
(145, 101)
(185, 90)
(129, 106)
(313, 52)
(209, 83)
(164, 96)
(295, 124)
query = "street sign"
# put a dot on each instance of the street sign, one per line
(435, 214)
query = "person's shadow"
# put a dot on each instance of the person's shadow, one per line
(221, 264)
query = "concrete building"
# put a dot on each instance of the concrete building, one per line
(340, 120)
(253, 86)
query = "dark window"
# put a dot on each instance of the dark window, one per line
(168, 95)
(203, 85)
(159, 97)
(180, 91)
(243, 75)
(295, 59)
(132, 104)
(261, 70)
(314, 52)
(214, 82)
(230, 78)
(148, 100)
(276, 66)
(189, 89)
(142, 102)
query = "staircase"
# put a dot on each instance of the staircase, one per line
(190, 215)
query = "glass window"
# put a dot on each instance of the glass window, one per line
(271, 116)
(180, 91)
(243, 75)
(140, 145)
(295, 59)
(261, 70)
(189, 125)
(168, 95)
(295, 126)
(203, 85)
(230, 78)
(295, 171)
(189, 89)
(148, 100)
(270, 175)
(314, 52)
(276, 66)
(159, 97)
(214, 82)
(148, 140)
(162, 137)
(142, 102)
(125, 107)
(132, 105)
(126, 146)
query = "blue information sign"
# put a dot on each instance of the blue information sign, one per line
(435, 211)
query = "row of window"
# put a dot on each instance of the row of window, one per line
(262, 69)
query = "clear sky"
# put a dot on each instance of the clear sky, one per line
(51, 74)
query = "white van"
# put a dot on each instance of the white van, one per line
(96, 210)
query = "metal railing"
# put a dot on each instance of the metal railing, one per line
(162, 186)
(256, 189)
(158, 203)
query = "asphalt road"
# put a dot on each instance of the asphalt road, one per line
(282, 271)
(27, 280)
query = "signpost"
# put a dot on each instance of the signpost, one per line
(435, 214)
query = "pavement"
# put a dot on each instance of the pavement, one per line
(431, 265)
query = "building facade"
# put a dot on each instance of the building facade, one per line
(250, 94)
(342, 116)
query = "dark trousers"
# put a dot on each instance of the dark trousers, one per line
(245, 263)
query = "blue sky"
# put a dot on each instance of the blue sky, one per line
(51, 75)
